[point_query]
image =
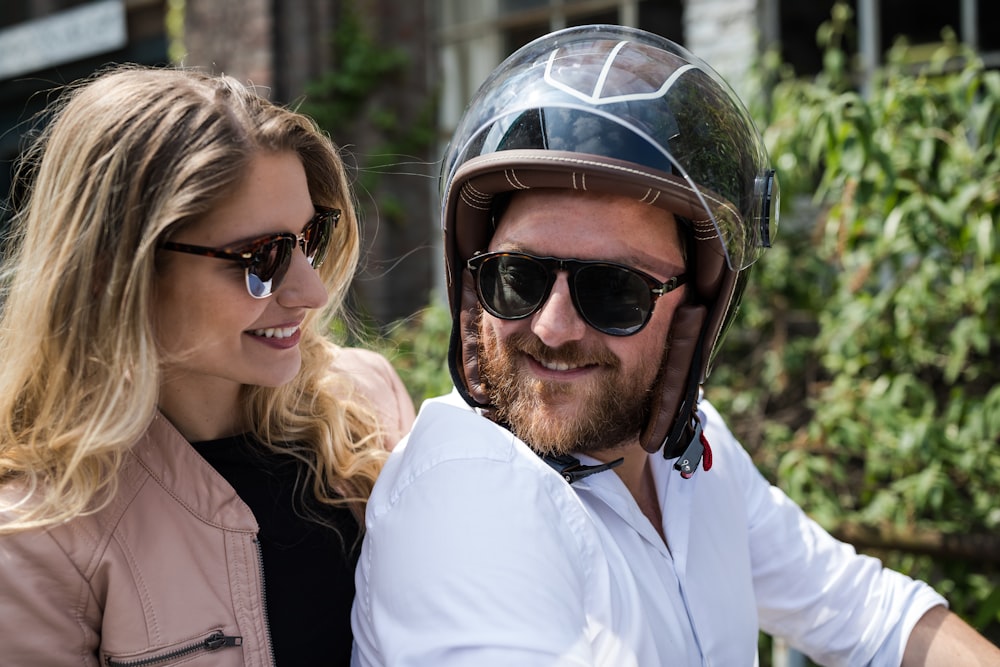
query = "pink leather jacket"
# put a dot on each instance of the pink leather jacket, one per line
(168, 573)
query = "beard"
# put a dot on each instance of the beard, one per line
(555, 417)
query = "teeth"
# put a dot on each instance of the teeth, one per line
(280, 332)
(557, 365)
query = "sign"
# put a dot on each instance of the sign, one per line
(86, 30)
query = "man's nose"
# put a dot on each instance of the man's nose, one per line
(557, 321)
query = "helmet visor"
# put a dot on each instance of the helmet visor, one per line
(630, 97)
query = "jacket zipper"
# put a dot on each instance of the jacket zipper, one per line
(263, 600)
(213, 642)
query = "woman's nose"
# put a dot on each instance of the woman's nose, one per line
(302, 286)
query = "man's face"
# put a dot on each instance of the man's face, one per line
(560, 384)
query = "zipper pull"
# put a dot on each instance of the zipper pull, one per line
(218, 640)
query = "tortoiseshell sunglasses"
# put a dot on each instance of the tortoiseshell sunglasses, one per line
(266, 260)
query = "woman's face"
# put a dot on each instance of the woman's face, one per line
(213, 336)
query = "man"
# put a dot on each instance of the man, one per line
(574, 502)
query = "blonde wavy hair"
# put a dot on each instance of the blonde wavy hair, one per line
(127, 158)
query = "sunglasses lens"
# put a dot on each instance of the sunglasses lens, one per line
(613, 299)
(269, 266)
(512, 287)
(317, 237)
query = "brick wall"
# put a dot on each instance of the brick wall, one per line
(724, 33)
(232, 37)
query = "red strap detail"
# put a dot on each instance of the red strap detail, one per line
(706, 460)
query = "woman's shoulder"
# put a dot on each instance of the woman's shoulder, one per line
(373, 377)
(48, 547)
(369, 371)
(82, 536)
(358, 357)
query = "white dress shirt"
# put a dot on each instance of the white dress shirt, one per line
(478, 553)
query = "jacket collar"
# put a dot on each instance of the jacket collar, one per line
(177, 468)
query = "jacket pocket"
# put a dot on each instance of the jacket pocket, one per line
(161, 657)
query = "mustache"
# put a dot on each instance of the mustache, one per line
(571, 353)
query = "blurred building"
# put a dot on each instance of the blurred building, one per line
(475, 35)
(280, 46)
(47, 43)
(287, 46)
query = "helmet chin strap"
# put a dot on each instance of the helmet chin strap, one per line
(697, 448)
(686, 440)
(572, 470)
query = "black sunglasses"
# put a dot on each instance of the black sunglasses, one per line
(613, 298)
(266, 260)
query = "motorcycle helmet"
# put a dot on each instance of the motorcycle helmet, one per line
(616, 110)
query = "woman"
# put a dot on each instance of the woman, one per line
(184, 456)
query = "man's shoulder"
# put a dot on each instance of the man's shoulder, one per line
(716, 429)
(452, 441)
(447, 428)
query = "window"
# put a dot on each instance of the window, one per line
(798, 24)
(879, 24)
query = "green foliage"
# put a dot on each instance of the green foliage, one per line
(174, 25)
(864, 363)
(361, 67)
(418, 349)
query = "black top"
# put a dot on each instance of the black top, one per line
(308, 568)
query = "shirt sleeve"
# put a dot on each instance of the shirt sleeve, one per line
(837, 606)
(470, 562)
